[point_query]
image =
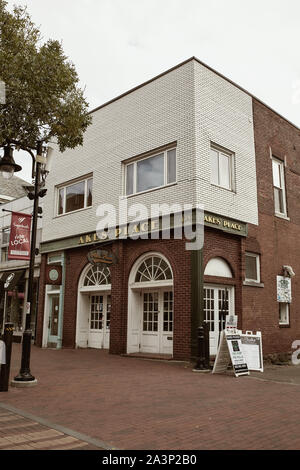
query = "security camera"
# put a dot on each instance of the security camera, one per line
(289, 271)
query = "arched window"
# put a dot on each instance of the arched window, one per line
(97, 276)
(153, 268)
(218, 267)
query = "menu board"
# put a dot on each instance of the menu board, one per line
(252, 349)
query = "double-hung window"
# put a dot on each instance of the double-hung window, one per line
(75, 195)
(4, 242)
(284, 313)
(150, 172)
(221, 168)
(252, 267)
(279, 187)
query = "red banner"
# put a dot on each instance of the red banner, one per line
(19, 240)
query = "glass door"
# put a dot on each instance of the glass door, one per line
(53, 318)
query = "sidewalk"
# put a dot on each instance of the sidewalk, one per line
(130, 403)
(18, 432)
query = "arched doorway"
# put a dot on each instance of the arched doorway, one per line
(150, 306)
(93, 308)
(218, 300)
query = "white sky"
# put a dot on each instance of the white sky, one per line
(118, 44)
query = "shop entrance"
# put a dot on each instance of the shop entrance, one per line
(150, 306)
(157, 322)
(218, 302)
(93, 308)
(99, 321)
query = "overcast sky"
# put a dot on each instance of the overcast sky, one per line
(118, 44)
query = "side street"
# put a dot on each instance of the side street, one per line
(130, 403)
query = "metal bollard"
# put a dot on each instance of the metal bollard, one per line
(206, 344)
(5, 368)
(200, 365)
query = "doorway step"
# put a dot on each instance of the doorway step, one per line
(158, 357)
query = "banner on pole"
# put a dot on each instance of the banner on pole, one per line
(19, 240)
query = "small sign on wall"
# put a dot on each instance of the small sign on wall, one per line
(54, 274)
(284, 289)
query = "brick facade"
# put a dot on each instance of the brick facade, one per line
(276, 240)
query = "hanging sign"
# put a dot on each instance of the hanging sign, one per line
(284, 289)
(102, 257)
(252, 349)
(19, 240)
(2, 352)
(230, 350)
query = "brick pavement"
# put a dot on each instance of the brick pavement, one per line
(20, 433)
(131, 403)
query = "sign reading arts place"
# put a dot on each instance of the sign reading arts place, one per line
(19, 239)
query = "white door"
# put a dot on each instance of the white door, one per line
(99, 321)
(157, 322)
(218, 302)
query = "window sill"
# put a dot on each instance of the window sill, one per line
(282, 216)
(150, 190)
(284, 325)
(72, 212)
(253, 284)
(223, 187)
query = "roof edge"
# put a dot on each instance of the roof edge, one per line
(209, 68)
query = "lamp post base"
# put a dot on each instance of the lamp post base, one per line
(20, 384)
(24, 375)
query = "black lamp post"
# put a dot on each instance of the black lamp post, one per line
(39, 172)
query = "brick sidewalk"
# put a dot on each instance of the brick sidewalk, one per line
(131, 403)
(20, 433)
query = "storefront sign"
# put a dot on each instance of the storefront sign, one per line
(284, 289)
(2, 352)
(252, 349)
(19, 240)
(144, 228)
(102, 257)
(230, 350)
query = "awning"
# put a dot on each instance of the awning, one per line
(10, 279)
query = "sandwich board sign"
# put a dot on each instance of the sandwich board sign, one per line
(252, 349)
(230, 351)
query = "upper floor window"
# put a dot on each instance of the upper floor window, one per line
(221, 168)
(4, 242)
(252, 267)
(279, 187)
(75, 196)
(151, 172)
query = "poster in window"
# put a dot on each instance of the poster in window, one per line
(284, 289)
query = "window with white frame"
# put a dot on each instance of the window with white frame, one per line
(4, 242)
(279, 186)
(221, 168)
(74, 196)
(284, 313)
(150, 172)
(252, 267)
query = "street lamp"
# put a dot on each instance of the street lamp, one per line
(7, 164)
(40, 170)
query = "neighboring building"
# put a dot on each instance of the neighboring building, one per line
(12, 188)
(186, 136)
(13, 296)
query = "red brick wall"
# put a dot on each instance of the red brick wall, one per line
(277, 240)
(217, 243)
